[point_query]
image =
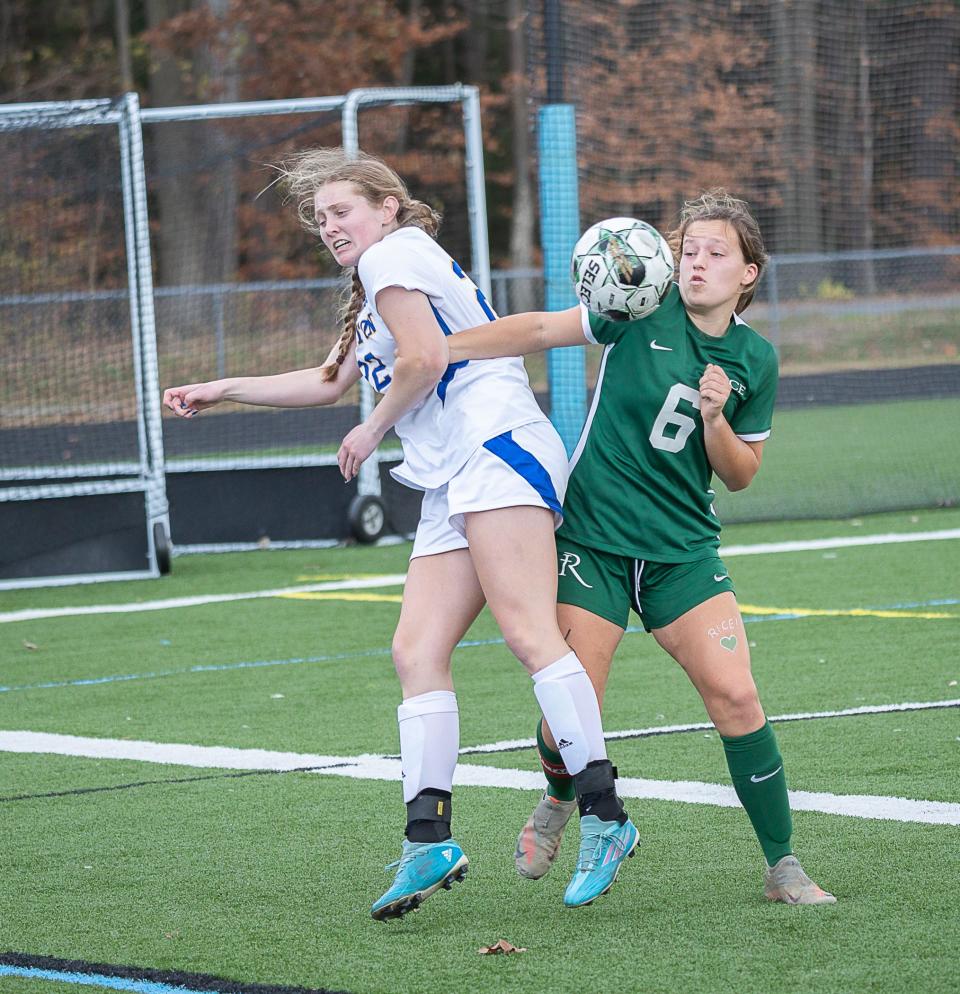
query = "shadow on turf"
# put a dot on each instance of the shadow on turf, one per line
(152, 783)
(188, 982)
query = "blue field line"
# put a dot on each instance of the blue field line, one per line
(96, 980)
(386, 651)
(942, 602)
(221, 667)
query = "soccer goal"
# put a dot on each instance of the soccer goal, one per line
(103, 303)
(241, 289)
(82, 494)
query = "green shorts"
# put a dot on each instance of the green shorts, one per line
(608, 584)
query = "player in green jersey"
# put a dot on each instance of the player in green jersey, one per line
(682, 394)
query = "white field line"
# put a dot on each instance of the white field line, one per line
(360, 583)
(368, 767)
(33, 614)
(508, 745)
(810, 545)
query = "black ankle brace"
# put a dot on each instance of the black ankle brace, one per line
(428, 816)
(597, 793)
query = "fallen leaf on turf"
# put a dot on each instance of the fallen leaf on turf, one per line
(501, 946)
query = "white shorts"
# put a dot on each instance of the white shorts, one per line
(524, 467)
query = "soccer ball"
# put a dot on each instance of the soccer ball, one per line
(622, 268)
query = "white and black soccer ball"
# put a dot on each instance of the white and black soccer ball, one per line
(622, 268)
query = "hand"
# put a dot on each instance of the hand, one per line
(188, 401)
(356, 446)
(714, 391)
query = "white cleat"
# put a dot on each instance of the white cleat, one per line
(540, 838)
(786, 882)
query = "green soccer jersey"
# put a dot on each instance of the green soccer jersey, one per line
(640, 484)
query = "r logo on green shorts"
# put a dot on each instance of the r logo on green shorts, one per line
(608, 584)
(569, 561)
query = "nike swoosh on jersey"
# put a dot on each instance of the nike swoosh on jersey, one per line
(718, 577)
(660, 348)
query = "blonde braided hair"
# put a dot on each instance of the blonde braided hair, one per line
(303, 174)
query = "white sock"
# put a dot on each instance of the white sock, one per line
(429, 741)
(569, 703)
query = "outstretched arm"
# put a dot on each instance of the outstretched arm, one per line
(296, 388)
(519, 334)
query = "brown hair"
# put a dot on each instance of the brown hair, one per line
(304, 173)
(718, 205)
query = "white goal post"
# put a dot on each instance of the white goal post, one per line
(50, 322)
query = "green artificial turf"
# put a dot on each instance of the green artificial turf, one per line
(268, 877)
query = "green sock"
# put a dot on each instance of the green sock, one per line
(758, 778)
(559, 782)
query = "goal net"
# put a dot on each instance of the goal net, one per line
(242, 289)
(837, 122)
(81, 482)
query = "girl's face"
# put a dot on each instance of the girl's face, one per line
(348, 223)
(713, 271)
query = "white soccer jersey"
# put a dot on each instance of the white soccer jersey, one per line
(474, 400)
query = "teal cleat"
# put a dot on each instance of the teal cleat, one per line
(423, 868)
(604, 845)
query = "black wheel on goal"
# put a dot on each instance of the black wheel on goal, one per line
(368, 518)
(161, 548)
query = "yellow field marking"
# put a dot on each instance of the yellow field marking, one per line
(325, 577)
(342, 596)
(853, 612)
(797, 612)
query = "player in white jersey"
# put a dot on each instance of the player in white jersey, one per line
(493, 472)
(472, 402)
